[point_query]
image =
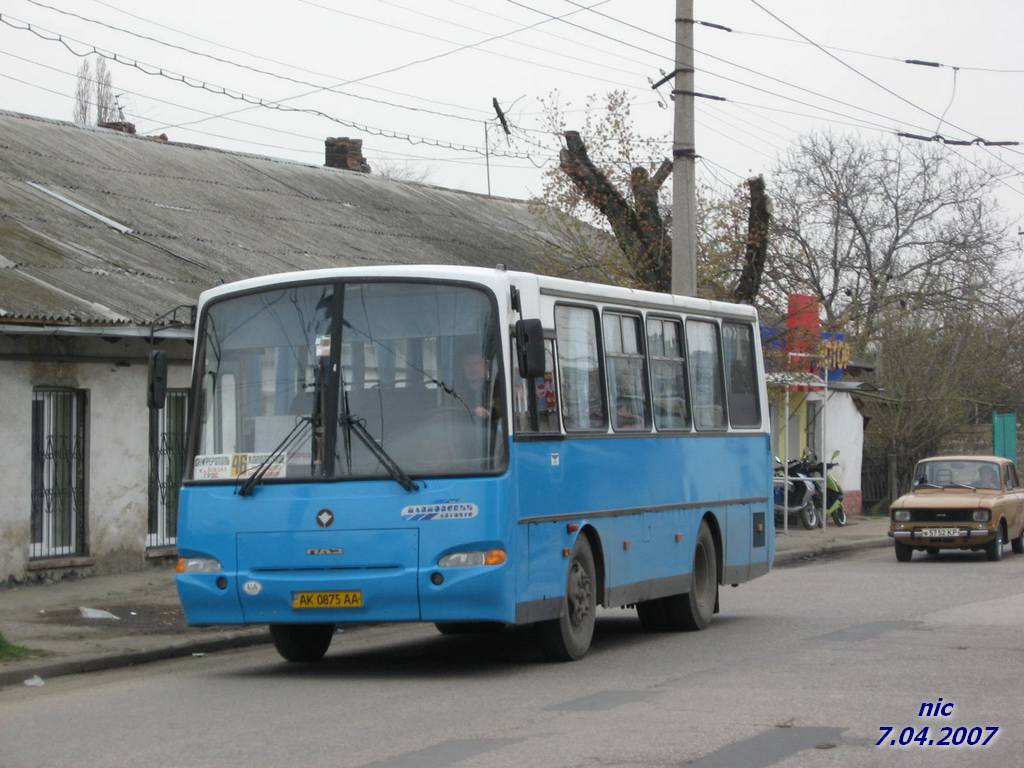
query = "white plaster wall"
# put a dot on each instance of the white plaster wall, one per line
(15, 468)
(845, 433)
(117, 463)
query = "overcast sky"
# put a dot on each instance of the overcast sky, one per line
(428, 58)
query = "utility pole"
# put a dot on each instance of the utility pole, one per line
(684, 195)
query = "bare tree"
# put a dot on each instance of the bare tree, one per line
(615, 180)
(82, 114)
(106, 103)
(874, 228)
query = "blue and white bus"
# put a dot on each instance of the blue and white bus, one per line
(469, 447)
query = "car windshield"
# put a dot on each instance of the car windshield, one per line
(418, 365)
(946, 472)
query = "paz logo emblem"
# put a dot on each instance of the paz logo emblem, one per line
(324, 518)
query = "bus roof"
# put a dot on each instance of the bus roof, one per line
(498, 280)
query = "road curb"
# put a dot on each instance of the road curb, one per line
(133, 658)
(828, 548)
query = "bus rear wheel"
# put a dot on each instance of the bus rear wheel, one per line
(693, 610)
(302, 642)
(568, 637)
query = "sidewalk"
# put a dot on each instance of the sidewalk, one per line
(150, 625)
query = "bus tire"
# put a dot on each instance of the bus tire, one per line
(652, 615)
(302, 642)
(568, 637)
(469, 627)
(692, 611)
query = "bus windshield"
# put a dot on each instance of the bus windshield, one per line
(416, 365)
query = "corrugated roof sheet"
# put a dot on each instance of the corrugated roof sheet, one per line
(200, 217)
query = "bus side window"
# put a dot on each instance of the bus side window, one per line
(535, 402)
(705, 364)
(741, 375)
(627, 372)
(579, 369)
(668, 373)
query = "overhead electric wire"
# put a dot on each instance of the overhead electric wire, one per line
(858, 72)
(548, 33)
(884, 87)
(869, 54)
(730, 63)
(398, 67)
(504, 56)
(483, 112)
(603, 64)
(239, 140)
(776, 94)
(256, 70)
(255, 102)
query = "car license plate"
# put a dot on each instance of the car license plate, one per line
(349, 598)
(940, 532)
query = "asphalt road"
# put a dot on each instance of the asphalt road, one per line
(801, 668)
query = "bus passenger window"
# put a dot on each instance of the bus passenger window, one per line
(705, 366)
(535, 402)
(741, 375)
(627, 377)
(668, 374)
(579, 369)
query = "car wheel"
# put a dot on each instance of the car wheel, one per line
(932, 550)
(302, 642)
(568, 637)
(994, 549)
(1018, 544)
(904, 553)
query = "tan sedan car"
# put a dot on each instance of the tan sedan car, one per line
(960, 502)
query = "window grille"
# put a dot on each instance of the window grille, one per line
(166, 467)
(58, 473)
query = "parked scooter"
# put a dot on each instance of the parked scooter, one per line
(801, 495)
(810, 465)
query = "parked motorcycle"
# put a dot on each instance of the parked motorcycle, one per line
(800, 498)
(810, 465)
(833, 494)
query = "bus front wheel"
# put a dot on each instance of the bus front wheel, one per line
(302, 642)
(568, 637)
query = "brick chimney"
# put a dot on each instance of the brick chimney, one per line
(345, 153)
(119, 125)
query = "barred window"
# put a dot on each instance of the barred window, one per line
(58, 473)
(166, 467)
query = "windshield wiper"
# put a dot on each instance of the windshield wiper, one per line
(294, 435)
(357, 426)
(961, 485)
(926, 484)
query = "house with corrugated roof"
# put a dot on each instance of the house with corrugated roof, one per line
(106, 241)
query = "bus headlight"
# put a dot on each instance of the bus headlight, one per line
(982, 515)
(901, 515)
(198, 565)
(483, 557)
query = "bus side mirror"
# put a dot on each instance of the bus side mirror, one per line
(156, 394)
(530, 348)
